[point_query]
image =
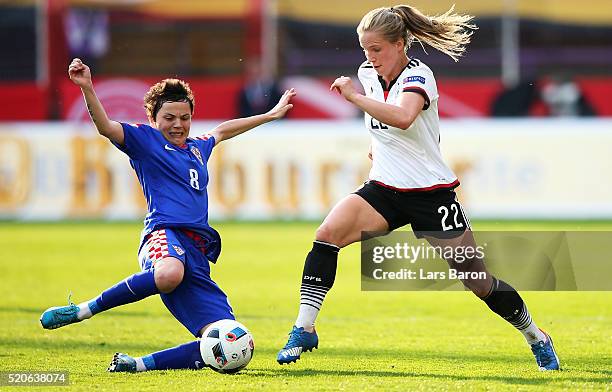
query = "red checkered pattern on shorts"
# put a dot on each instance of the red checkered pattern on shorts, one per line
(200, 242)
(157, 245)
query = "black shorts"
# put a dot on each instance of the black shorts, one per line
(436, 212)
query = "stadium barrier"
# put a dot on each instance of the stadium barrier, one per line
(524, 169)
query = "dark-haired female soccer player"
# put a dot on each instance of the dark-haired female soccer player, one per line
(409, 183)
(177, 242)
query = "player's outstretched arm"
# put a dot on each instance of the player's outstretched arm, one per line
(401, 116)
(80, 74)
(231, 128)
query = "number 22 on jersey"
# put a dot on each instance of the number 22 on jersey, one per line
(375, 124)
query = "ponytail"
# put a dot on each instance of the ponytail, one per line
(449, 33)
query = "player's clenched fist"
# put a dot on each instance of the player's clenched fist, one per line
(79, 73)
(344, 86)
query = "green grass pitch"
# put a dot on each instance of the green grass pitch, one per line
(368, 340)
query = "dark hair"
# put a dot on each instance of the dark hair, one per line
(168, 90)
(449, 32)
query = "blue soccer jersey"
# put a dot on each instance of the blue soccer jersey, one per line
(173, 181)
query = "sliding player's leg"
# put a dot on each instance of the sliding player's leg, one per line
(185, 356)
(162, 271)
(197, 302)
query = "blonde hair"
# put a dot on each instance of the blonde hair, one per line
(449, 32)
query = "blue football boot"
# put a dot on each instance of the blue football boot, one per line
(122, 363)
(545, 354)
(299, 341)
(59, 316)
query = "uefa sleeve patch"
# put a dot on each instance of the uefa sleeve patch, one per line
(418, 79)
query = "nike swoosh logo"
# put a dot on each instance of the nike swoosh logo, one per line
(167, 147)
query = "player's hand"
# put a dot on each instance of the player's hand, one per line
(283, 105)
(343, 85)
(79, 73)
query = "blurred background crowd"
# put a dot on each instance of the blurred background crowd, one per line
(544, 58)
(526, 114)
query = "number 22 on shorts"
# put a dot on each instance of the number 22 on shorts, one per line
(445, 215)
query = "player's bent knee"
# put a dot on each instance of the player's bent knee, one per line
(168, 276)
(323, 234)
(168, 280)
(326, 234)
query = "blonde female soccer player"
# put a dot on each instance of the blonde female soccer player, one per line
(409, 183)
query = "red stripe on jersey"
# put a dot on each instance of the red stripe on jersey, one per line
(203, 137)
(453, 184)
(386, 94)
(420, 91)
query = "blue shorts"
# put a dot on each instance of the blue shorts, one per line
(197, 301)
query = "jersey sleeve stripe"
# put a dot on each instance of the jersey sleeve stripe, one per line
(418, 90)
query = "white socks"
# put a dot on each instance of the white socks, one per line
(140, 366)
(533, 334)
(306, 316)
(84, 312)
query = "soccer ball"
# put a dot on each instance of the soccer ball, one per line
(226, 346)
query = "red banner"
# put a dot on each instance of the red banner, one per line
(216, 98)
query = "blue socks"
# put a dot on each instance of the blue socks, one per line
(132, 289)
(185, 356)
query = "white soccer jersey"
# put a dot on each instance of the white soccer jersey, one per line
(407, 159)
